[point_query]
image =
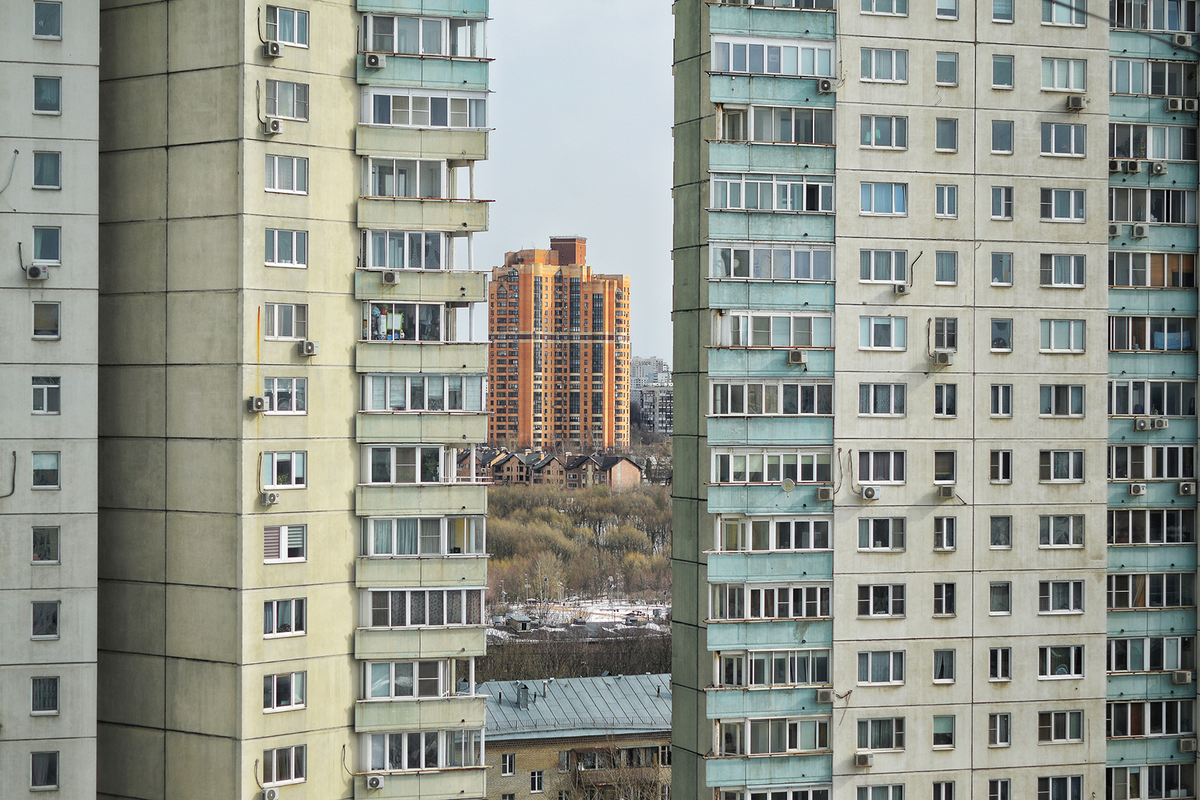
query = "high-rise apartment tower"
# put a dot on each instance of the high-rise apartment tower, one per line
(934, 281)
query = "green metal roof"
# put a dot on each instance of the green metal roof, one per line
(565, 707)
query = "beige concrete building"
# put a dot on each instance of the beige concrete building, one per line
(294, 568)
(49, 54)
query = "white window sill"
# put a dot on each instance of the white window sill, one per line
(281, 709)
(46, 488)
(48, 188)
(53, 638)
(45, 113)
(44, 713)
(285, 635)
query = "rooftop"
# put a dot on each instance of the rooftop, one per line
(563, 707)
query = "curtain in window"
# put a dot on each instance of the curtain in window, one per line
(45, 769)
(406, 537)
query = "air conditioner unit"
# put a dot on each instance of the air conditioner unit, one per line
(375, 60)
(374, 782)
(1160, 423)
(1181, 40)
(826, 695)
(269, 498)
(865, 759)
(256, 404)
(1114, 165)
(1076, 102)
(796, 357)
(308, 348)
(900, 288)
(272, 50)
(825, 86)
(945, 492)
(1133, 167)
(1158, 168)
(1174, 104)
(1141, 424)
(942, 359)
(36, 272)
(1137, 489)
(1181, 677)
(1186, 487)
(1114, 231)
(1191, 104)
(272, 127)
(870, 492)
(825, 494)
(1187, 745)
(1140, 231)
(391, 277)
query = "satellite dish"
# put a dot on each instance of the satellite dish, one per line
(788, 484)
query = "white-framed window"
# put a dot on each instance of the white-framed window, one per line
(1056, 597)
(47, 95)
(812, 59)
(1156, 206)
(772, 261)
(945, 201)
(1061, 400)
(284, 691)
(404, 608)
(284, 765)
(945, 267)
(741, 465)
(893, 791)
(999, 730)
(881, 600)
(882, 399)
(423, 750)
(45, 619)
(287, 100)
(1001, 399)
(286, 395)
(881, 466)
(1061, 139)
(47, 246)
(1155, 15)
(943, 738)
(284, 617)
(400, 464)
(1064, 12)
(1152, 526)
(774, 735)
(1002, 269)
(43, 770)
(1064, 661)
(284, 470)
(47, 20)
(1059, 727)
(1002, 11)
(883, 266)
(1154, 718)
(286, 321)
(1167, 78)
(47, 393)
(882, 666)
(881, 734)
(1002, 72)
(881, 534)
(46, 545)
(773, 668)
(1002, 136)
(403, 322)
(771, 398)
(419, 393)
(1152, 590)
(46, 471)
(1062, 336)
(1002, 336)
(885, 66)
(1063, 270)
(287, 174)
(898, 8)
(392, 680)
(882, 333)
(44, 696)
(1130, 783)
(287, 25)
(1001, 466)
(1060, 530)
(947, 9)
(425, 36)
(285, 544)
(508, 763)
(884, 199)
(1000, 664)
(47, 170)
(1060, 788)
(944, 534)
(392, 537)
(810, 193)
(405, 250)
(399, 177)
(945, 399)
(1064, 74)
(786, 125)
(1127, 76)
(946, 72)
(999, 598)
(1165, 270)
(286, 248)
(402, 108)
(945, 466)
(943, 606)
(1067, 205)
(747, 329)
(945, 333)
(1157, 462)
(537, 781)
(1156, 334)
(1151, 654)
(1002, 202)
(1058, 466)
(883, 133)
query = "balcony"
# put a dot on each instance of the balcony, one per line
(430, 72)
(461, 782)
(450, 358)
(428, 143)
(427, 499)
(381, 644)
(428, 286)
(477, 9)
(421, 427)
(430, 713)
(416, 571)
(429, 214)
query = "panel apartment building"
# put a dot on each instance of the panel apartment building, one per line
(293, 562)
(49, 53)
(560, 353)
(934, 482)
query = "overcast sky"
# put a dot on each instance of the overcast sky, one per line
(582, 109)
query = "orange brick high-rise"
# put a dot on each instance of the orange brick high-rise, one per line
(559, 370)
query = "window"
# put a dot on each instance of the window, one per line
(283, 617)
(1064, 74)
(1060, 726)
(944, 463)
(1002, 72)
(1002, 202)
(1060, 662)
(946, 267)
(947, 71)
(1063, 270)
(1165, 333)
(286, 248)
(45, 620)
(944, 533)
(286, 395)
(778, 668)
(783, 735)
(47, 170)
(758, 601)
(771, 467)
(287, 25)
(283, 470)
(46, 471)
(287, 100)
(1063, 205)
(1061, 401)
(946, 135)
(881, 466)
(43, 768)
(811, 193)
(1001, 395)
(881, 667)
(943, 600)
(882, 266)
(1061, 531)
(1069, 788)
(1156, 718)
(45, 321)
(889, 199)
(1154, 590)
(945, 333)
(999, 730)
(287, 174)
(946, 203)
(1128, 77)
(809, 58)
(944, 399)
(1002, 336)
(1000, 664)
(46, 395)
(1139, 462)
(45, 696)
(1062, 336)
(1002, 136)
(947, 9)
(536, 781)
(1151, 526)
(888, 66)
(1151, 654)
(404, 322)
(399, 107)
(417, 393)
(1064, 12)
(943, 733)
(1000, 597)
(1177, 779)
(881, 601)
(897, 7)
(395, 752)
(47, 95)
(881, 399)
(408, 465)
(943, 790)
(894, 791)
(1001, 533)
(287, 321)
(1060, 465)
(1002, 11)
(284, 765)
(882, 333)
(284, 692)
(1157, 206)
(1171, 78)
(407, 35)
(1060, 596)
(1001, 466)
(884, 133)
(1059, 139)
(791, 125)
(45, 545)
(881, 734)
(405, 250)
(771, 398)
(47, 20)
(410, 536)
(508, 763)
(284, 543)
(881, 534)
(400, 608)
(743, 329)
(772, 260)
(1167, 270)
(390, 177)
(47, 246)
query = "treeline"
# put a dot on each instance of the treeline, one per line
(559, 657)
(566, 542)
